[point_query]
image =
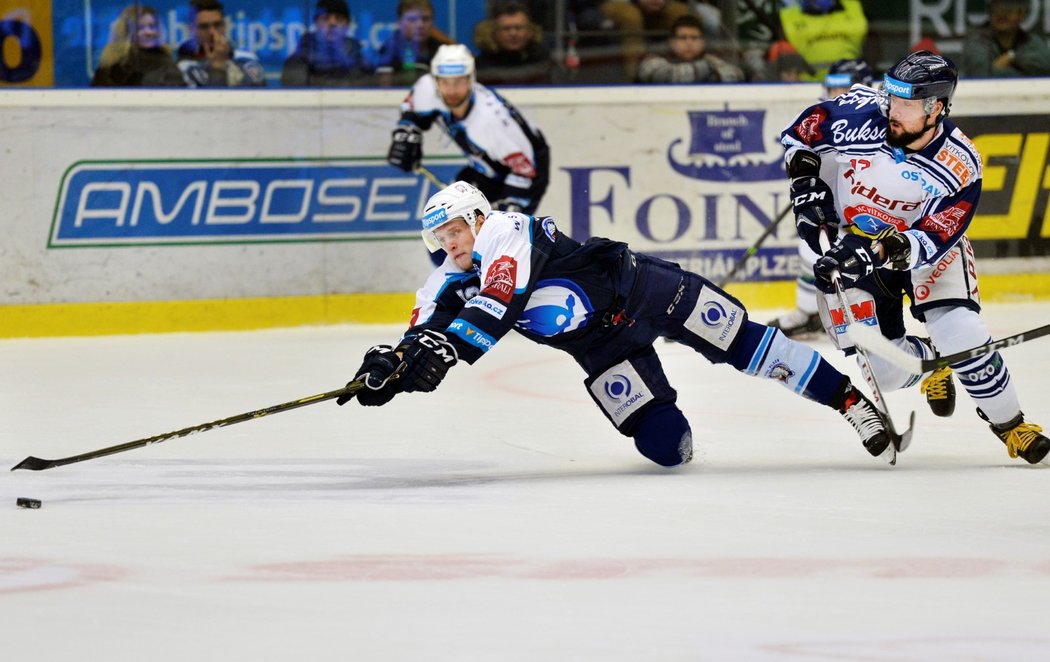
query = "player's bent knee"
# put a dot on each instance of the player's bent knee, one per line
(663, 436)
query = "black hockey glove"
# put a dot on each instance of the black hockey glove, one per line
(427, 357)
(852, 257)
(406, 148)
(380, 363)
(814, 206)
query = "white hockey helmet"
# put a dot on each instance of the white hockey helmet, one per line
(457, 200)
(452, 61)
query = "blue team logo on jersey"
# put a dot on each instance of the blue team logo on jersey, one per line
(713, 314)
(617, 387)
(555, 306)
(727, 146)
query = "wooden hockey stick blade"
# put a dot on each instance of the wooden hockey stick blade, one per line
(874, 342)
(39, 464)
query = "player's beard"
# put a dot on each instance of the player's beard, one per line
(905, 138)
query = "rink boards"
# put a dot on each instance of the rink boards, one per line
(138, 211)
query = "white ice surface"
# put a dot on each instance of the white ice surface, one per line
(501, 518)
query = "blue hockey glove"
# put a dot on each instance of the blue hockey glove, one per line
(427, 358)
(852, 257)
(814, 206)
(406, 148)
(380, 363)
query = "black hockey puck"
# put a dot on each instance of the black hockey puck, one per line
(28, 503)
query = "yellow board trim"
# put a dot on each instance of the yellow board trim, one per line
(94, 319)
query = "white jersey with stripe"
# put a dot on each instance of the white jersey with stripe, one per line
(930, 196)
(497, 140)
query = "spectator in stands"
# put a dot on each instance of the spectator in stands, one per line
(1003, 49)
(785, 64)
(136, 55)
(824, 31)
(517, 55)
(408, 50)
(688, 61)
(209, 59)
(328, 55)
(757, 27)
(642, 21)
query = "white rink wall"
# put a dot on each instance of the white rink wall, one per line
(618, 158)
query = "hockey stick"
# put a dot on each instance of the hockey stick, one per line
(431, 177)
(37, 464)
(899, 442)
(754, 248)
(877, 344)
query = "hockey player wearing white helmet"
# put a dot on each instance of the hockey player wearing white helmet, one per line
(604, 305)
(898, 183)
(508, 157)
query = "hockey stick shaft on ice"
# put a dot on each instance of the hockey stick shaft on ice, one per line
(742, 260)
(902, 440)
(875, 343)
(38, 464)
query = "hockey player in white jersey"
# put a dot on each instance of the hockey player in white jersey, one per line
(898, 183)
(804, 320)
(604, 305)
(508, 157)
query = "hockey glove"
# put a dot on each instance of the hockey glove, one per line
(427, 357)
(814, 206)
(406, 148)
(852, 257)
(379, 365)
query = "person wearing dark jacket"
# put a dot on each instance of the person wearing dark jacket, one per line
(517, 56)
(327, 56)
(136, 55)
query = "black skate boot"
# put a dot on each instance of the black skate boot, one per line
(797, 324)
(1022, 439)
(939, 389)
(867, 421)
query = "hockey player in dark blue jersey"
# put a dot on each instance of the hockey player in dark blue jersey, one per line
(898, 184)
(604, 305)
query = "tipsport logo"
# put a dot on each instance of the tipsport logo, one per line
(727, 146)
(897, 88)
(130, 203)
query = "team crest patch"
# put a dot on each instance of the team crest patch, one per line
(500, 279)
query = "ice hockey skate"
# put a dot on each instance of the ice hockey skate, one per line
(1022, 439)
(869, 424)
(798, 323)
(939, 389)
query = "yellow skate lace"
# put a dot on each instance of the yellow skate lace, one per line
(935, 387)
(1018, 439)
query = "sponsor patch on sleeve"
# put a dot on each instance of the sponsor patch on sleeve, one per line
(620, 391)
(500, 278)
(491, 307)
(472, 335)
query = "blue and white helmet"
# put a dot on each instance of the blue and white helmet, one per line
(457, 200)
(844, 74)
(452, 61)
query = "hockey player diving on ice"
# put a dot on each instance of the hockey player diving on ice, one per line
(603, 304)
(898, 183)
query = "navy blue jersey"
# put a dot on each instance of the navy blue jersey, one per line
(529, 277)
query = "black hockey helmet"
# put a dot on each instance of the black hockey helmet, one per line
(845, 73)
(923, 75)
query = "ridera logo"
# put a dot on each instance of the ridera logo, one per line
(136, 203)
